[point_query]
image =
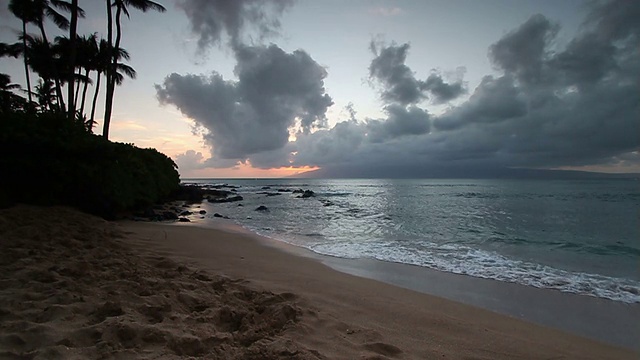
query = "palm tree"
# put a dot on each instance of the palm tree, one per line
(121, 6)
(43, 9)
(22, 10)
(73, 26)
(87, 59)
(8, 100)
(102, 64)
(46, 94)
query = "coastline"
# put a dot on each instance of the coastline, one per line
(160, 290)
(599, 319)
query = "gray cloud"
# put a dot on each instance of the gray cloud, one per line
(550, 107)
(521, 52)
(274, 92)
(441, 91)
(401, 121)
(398, 81)
(211, 20)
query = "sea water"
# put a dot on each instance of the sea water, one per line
(581, 236)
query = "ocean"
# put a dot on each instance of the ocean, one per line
(580, 237)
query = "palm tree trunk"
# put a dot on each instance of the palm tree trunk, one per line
(95, 98)
(77, 93)
(56, 78)
(72, 58)
(84, 92)
(109, 73)
(24, 55)
(111, 84)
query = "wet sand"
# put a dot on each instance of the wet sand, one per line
(74, 286)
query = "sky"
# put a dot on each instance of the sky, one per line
(250, 88)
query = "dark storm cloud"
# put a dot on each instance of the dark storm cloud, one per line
(572, 106)
(398, 81)
(549, 106)
(275, 91)
(521, 52)
(401, 121)
(211, 20)
(494, 100)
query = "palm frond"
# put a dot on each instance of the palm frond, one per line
(60, 21)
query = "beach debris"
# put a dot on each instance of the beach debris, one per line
(202, 212)
(262, 208)
(183, 219)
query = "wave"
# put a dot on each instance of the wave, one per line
(490, 265)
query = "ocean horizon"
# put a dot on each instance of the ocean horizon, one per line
(575, 236)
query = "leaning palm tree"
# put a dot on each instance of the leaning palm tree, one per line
(121, 7)
(23, 10)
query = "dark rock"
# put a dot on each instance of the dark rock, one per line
(240, 205)
(266, 187)
(168, 215)
(298, 191)
(226, 200)
(186, 213)
(284, 190)
(262, 208)
(202, 212)
(217, 215)
(273, 194)
(307, 194)
(182, 219)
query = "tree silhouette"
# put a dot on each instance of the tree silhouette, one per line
(102, 62)
(46, 9)
(23, 11)
(121, 6)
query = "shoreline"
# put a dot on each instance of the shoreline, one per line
(75, 286)
(605, 320)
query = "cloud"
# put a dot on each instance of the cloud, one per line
(551, 107)
(212, 20)
(275, 91)
(521, 52)
(441, 91)
(575, 106)
(398, 81)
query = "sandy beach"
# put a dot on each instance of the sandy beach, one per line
(73, 286)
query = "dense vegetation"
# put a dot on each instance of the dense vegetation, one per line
(50, 160)
(49, 152)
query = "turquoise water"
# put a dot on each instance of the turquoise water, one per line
(575, 236)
